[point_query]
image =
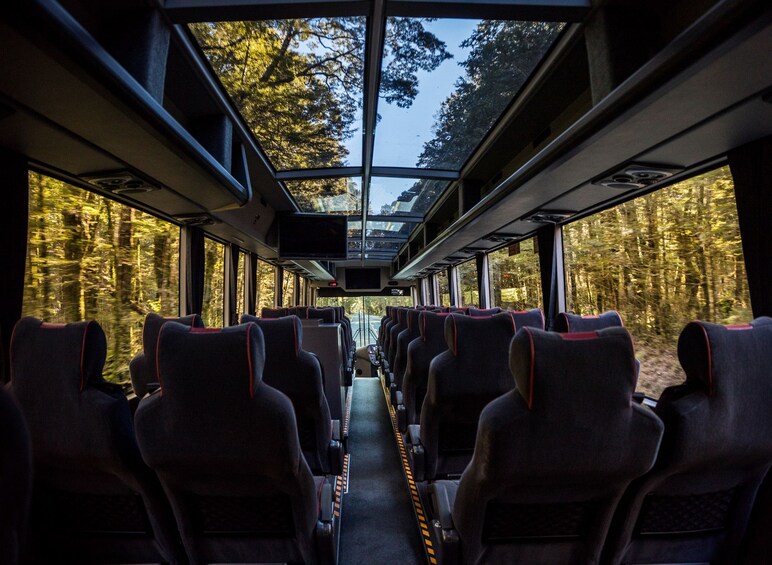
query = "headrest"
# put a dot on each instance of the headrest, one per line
(194, 360)
(570, 367)
(299, 311)
(440, 309)
(152, 326)
(327, 315)
(456, 310)
(274, 312)
(59, 357)
(478, 313)
(431, 324)
(413, 319)
(480, 332)
(283, 336)
(566, 322)
(708, 352)
(528, 318)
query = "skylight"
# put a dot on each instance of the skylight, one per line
(327, 196)
(395, 196)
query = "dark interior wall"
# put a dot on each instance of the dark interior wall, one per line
(14, 187)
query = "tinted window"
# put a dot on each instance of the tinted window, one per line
(515, 278)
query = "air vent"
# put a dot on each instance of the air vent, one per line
(549, 216)
(499, 237)
(120, 182)
(195, 220)
(636, 176)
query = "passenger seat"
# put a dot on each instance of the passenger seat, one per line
(95, 500)
(225, 445)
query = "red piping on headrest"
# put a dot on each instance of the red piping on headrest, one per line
(249, 362)
(514, 324)
(157, 356)
(578, 335)
(455, 337)
(589, 317)
(543, 321)
(710, 360)
(530, 378)
(10, 350)
(50, 326)
(83, 354)
(739, 327)
(205, 330)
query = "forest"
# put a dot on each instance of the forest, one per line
(661, 261)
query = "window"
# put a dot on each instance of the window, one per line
(302, 291)
(288, 289)
(214, 283)
(241, 275)
(661, 261)
(444, 285)
(467, 282)
(515, 278)
(266, 285)
(89, 257)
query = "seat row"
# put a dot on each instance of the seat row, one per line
(563, 465)
(232, 459)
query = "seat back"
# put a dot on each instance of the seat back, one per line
(462, 380)
(695, 504)
(95, 499)
(420, 353)
(554, 455)
(387, 330)
(394, 334)
(226, 448)
(299, 311)
(411, 332)
(15, 479)
(298, 374)
(566, 322)
(326, 315)
(142, 367)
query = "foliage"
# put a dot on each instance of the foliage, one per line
(89, 257)
(213, 311)
(299, 83)
(444, 287)
(266, 281)
(467, 281)
(661, 261)
(515, 278)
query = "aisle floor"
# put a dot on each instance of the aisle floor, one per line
(378, 523)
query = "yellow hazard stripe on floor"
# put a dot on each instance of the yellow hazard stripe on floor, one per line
(418, 508)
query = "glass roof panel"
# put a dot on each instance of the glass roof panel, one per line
(456, 95)
(394, 196)
(327, 196)
(381, 229)
(355, 228)
(298, 84)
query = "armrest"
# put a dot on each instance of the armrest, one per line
(415, 454)
(414, 434)
(335, 429)
(326, 533)
(326, 501)
(401, 413)
(443, 496)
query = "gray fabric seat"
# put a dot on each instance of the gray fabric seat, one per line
(411, 332)
(462, 380)
(15, 479)
(394, 330)
(695, 504)
(552, 457)
(95, 500)
(225, 445)
(274, 312)
(142, 368)
(298, 374)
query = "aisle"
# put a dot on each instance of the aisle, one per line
(378, 521)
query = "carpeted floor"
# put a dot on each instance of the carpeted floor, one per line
(378, 524)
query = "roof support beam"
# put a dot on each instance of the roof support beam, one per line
(376, 33)
(531, 10)
(190, 11)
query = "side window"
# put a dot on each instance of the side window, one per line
(661, 261)
(89, 257)
(214, 283)
(241, 276)
(467, 281)
(515, 278)
(288, 289)
(444, 285)
(266, 280)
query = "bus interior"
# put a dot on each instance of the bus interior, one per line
(386, 281)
